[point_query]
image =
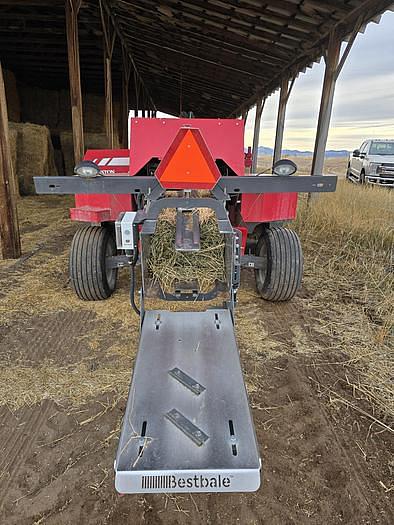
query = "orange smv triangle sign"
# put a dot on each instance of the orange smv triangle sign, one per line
(188, 163)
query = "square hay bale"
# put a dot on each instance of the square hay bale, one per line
(34, 155)
(204, 267)
(92, 141)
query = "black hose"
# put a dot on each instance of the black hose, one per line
(132, 284)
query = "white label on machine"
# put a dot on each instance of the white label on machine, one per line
(243, 480)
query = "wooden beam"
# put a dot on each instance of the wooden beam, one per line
(10, 243)
(119, 33)
(109, 37)
(327, 97)
(285, 91)
(256, 134)
(72, 9)
(126, 72)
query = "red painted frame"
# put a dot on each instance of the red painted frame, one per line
(152, 138)
(104, 208)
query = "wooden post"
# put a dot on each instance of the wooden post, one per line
(326, 103)
(285, 91)
(334, 64)
(72, 9)
(125, 96)
(256, 134)
(10, 243)
(109, 44)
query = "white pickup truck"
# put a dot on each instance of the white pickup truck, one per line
(373, 163)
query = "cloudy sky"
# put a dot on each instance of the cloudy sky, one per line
(364, 97)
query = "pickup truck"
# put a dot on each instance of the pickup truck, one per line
(373, 163)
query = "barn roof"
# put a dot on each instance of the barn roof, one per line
(208, 56)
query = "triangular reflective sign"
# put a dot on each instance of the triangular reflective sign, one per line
(188, 163)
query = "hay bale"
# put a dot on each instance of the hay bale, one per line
(39, 105)
(92, 141)
(168, 266)
(34, 155)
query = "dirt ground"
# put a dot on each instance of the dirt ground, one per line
(64, 372)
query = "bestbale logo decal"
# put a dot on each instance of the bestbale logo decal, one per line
(192, 482)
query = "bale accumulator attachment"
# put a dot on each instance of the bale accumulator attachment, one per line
(187, 425)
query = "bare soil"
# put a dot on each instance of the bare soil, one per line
(324, 462)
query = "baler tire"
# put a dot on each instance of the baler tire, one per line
(90, 279)
(281, 278)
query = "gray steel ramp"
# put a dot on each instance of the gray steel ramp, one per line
(187, 425)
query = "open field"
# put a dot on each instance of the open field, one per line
(319, 372)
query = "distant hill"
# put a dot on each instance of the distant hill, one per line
(296, 153)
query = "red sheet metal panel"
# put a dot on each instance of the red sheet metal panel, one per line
(269, 207)
(150, 138)
(102, 208)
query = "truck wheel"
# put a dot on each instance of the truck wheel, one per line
(90, 279)
(281, 275)
(362, 178)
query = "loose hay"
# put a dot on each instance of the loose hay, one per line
(169, 266)
(25, 386)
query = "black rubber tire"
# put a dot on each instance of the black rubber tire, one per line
(90, 279)
(362, 178)
(282, 275)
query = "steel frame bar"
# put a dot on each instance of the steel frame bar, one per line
(118, 185)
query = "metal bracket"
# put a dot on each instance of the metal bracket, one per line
(187, 381)
(187, 427)
(117, 261)
(252, 261)
(187, 237)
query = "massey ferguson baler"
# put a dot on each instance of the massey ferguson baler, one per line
(187, 426)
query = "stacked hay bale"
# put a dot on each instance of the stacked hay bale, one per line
(32, 154)
(92, 141)
(204, 267)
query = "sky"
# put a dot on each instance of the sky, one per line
(363, 103)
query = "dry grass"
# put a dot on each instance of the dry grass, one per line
(346, 305)
(25, 386)
(348, 239)
(332, 165)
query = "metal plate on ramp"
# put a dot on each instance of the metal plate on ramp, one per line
(155, 454)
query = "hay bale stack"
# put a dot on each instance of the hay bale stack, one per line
(168, 266)
(34, 154)
(92, 141)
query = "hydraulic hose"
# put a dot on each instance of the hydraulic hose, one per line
(132, 283)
